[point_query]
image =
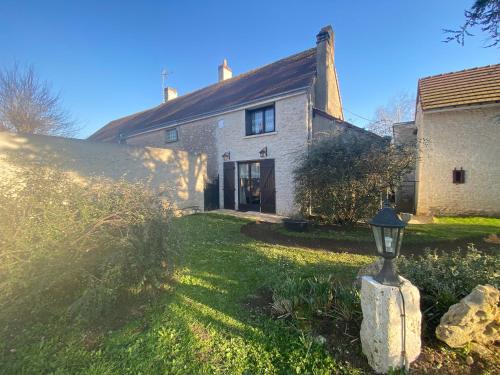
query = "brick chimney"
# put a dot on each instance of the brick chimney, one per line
(225, 71)
(169, 93)
(326, 90)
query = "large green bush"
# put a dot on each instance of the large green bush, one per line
(74, 247)
(445, 278)
(342, 178)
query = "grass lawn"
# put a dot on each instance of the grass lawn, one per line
(445, 229)
(202, 324)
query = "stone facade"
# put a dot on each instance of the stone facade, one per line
(226, 132)
(179, 174)
(284, 145)
(194, 137)
(467, 138)
(405, 134)
(223, 129)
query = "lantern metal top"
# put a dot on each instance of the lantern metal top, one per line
(386, 217)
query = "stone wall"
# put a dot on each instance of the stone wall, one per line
(288, 142)
(405, 133)
(180, 173)
(325, 126)
(460, 138)
(194, 137)
(226, 132)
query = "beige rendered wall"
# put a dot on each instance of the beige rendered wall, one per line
(180, 173)
(467, 138)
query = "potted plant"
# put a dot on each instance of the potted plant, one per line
(296, 223)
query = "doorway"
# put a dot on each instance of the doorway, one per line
(256, 187)
(249, 186)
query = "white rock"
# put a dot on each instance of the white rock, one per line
(382, 327)
(476, 318)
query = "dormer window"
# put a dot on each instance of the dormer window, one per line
(260, 120)
(171, 135)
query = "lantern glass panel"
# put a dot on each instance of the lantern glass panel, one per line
(400, 240)
(377, 233)
(390, 238)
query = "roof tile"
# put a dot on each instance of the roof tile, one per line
(286, 75)
(467, 87)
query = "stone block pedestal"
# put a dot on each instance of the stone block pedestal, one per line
(390, 332)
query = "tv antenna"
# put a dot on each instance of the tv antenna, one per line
(164, 75)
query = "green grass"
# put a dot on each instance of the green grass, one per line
(445, 229)
(200, 325)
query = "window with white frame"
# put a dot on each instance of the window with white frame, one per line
(171, 135)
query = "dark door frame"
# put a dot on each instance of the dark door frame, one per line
(247, 207)
(271, 204)
(228, 185)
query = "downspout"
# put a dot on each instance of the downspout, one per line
(310, 115)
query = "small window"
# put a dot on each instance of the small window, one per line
(172, 135)
(458, 176)
(260, 121)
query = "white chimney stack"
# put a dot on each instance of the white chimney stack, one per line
(169, 93)
(225, 71)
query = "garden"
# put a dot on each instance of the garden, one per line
(100, 277)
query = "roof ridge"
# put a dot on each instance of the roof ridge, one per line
(264, 81)
(242, 75)
(222, 83)
(459, 71)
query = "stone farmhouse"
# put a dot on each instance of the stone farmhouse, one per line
(251, 127)
(457, 132)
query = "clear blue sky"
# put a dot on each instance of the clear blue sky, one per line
(105, 57)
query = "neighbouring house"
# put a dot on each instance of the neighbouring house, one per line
(457, 132)
(251, 126)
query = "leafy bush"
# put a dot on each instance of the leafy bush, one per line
(342, 178)
(70, 246)
(317, 296)
(445, 278)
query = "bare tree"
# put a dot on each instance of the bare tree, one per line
(27, 104)
(486, 15)
(400, 108)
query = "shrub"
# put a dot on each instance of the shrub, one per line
(321, 296)
(446, 278)
(342, 178)
(69, 246)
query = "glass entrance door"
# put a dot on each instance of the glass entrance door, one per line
(249, 186)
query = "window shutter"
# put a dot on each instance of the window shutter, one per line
(267, 186)
(248, 122)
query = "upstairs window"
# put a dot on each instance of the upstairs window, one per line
(458, 176)
(171, 135)
(260, 121)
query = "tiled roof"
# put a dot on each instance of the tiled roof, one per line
(466, 87)
(287, 75)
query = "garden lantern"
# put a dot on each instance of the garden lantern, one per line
(263, 152)
(388, 231)
(226, 156)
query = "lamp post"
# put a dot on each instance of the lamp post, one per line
(388, 231)
(390, 330)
